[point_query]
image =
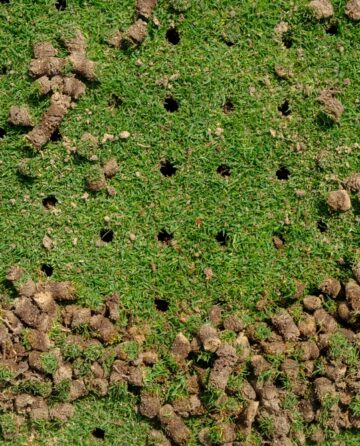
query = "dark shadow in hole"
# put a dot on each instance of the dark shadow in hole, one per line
(222, 237)
(284, 108)
(115, 101)
(167, 168)
(173, 36)
(3, 70)
(2, 132)
(161, 304)
(228, 107)
(283, 173)
(165, 237)
(333, 29)
(287, 39)
(107, 235)
(50, 201)
(224, 170)
(227, 40)
(5, 2)
(56, 136)
(60, 5)
(47, 269)
(98, 433)
(171, 105)
(324, 122)
(322, 226)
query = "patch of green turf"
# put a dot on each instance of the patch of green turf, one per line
(196, 203)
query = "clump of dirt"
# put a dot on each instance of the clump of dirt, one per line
(352, 183)
(339, 201)
(333, 108)
(322, 9)
(352, 9)
(50, 120)
(144, 8)
(133, 36)
(48, 69)
(20, 116)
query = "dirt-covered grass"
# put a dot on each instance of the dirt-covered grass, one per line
(223, 226)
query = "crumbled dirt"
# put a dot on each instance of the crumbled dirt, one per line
(20, 116)
(144, 8)
(133, 36)
(43, 50)
(339, 201)
(322, 9)
(286, 326)
(104, 329)
(181, 346)
(352, 9)
(43, 84)
(77, 44)
(352, 290)
(352, 183)
(111, 168)
(47, 66)
(83, 66)
(149, 405)
(332, 106)
(73, 87)
(331, 287)
(50, 121)
(312, 303)
(209, 338)
(174, 425)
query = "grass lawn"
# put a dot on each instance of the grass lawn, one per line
(226, 56)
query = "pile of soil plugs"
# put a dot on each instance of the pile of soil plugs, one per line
(291, 379)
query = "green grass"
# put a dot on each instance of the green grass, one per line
(196, 203)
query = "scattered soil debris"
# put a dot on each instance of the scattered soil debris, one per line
(333, 108)
(315, 369)
(322, 9)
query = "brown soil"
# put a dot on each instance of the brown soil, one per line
(144, 8)
(20, 116)
(42, 50)
(331, 287)
(76, 44)
(322, 9)
(50, 121)
(111, 168)
(352, 9)
(47, 66)
(83, 66)
(352, 183)
(181, 347)
(332, 106)
(339, 201)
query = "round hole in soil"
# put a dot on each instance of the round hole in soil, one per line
(283, 173)
(287, 40)
(165, 237)
(161, 304)
(171, 105)
(322, 226)
(333, 29)
(167, 168)
(60, 5)
(284, 108)
(98, 433)
(50, 201)
(224, 170)
(107, 235)
(115, 101)
(2, 132)
(47, 269)
(173, 36)
(228, 107)
(5, 1)
(222, 238)
(3, 69)
(56, 136)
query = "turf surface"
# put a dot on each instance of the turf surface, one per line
(202, 72)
